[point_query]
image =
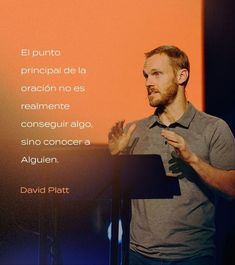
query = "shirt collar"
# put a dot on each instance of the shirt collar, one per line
(184, 120)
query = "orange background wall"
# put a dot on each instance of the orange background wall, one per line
(109, 38)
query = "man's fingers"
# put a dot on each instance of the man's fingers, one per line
(173, 138)
(119, 125)
(174, 143)
(116, 130)
(110, 135)
(170, 174)
(170, 134)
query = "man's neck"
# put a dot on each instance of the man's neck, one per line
(173, 112)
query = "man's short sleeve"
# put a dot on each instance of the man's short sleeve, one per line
(222, 146)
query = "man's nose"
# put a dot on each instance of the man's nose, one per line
(149, 81)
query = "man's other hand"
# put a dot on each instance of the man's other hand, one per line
(180, 145)
(118, 139)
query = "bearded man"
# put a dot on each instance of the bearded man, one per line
(196, 147)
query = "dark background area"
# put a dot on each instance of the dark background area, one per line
(219, 101)
(219, 59)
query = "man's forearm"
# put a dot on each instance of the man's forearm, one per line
(219, 179)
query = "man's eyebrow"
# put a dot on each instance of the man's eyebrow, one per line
(152, 71)
(155, 71)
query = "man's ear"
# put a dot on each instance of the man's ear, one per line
(182, 76)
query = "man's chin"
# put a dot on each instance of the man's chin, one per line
(154, 103)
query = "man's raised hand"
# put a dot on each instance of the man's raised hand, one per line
(118, 139)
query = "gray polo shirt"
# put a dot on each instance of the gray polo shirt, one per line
(183, 226)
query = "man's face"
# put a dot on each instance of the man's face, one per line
(161, 82)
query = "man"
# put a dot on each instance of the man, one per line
(196, 147)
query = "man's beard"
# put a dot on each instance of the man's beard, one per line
(165, 98)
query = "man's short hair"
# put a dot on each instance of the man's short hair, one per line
(178, 58)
